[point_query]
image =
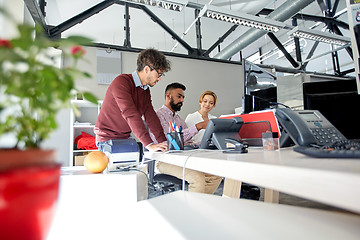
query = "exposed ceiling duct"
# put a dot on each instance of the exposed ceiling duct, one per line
(282, 13)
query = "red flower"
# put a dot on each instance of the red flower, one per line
(77, 51)
(5, 43)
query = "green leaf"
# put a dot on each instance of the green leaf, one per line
(90, 97)
(77, 40)
(86, 74)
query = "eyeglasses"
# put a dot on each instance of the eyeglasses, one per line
(159, 74)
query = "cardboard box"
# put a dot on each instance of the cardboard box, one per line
(79, 160)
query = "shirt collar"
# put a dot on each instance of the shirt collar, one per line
(137, 81)
(169, 110)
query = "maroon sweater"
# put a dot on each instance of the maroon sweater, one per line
(121, 112)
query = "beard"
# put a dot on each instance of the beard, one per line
(175, 107)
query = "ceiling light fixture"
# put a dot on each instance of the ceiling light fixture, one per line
(319, 36)
(241, 18)
(177, 5)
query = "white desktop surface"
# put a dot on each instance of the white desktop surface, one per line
(78, 184)
(86, 199)
(331, 181)
(186, 215)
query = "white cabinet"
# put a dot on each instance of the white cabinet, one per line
(84, 122)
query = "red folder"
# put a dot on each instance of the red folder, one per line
(256, 123)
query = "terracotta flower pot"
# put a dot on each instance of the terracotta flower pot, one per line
(29, 185)
(14, 158)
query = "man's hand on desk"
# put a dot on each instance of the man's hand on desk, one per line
(158, 147)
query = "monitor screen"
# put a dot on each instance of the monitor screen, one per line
(218, 130)
(338, 101)
(260, 99)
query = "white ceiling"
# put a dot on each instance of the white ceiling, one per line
(108, 25)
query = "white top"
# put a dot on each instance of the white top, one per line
(194, 118)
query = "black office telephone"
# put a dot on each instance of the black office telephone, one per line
(306, 128)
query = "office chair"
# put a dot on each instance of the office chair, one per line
(164, 183)
(249, 191)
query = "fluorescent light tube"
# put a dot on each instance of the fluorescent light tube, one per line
(319, 36)
(244, 19)
(175, 5)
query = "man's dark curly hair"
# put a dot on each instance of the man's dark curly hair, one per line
(153, 58)
(173, 86)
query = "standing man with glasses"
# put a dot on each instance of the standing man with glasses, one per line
(128, 99)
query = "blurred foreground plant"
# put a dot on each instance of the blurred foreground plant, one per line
(32, 88)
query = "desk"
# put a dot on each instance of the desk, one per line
(331, 181)
(187, 215)
(78, 185)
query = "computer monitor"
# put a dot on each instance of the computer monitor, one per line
(260, 88)
(338, 101)
(218, 130)
(357, 37)
(260, 99)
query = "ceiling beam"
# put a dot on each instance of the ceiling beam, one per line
(167, 29)
(338, 32)
(127, 26)
(326, 20)
(283, 50)
(198, 32)
(343, 73)
(220, 40)
(309, 17)
(297, 43)
(56, 31)
(36, 13)
(334, 8)
(309, 56)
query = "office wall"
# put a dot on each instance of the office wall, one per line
(16, 9)
(226, 80)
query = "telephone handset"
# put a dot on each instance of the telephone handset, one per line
(307, 127)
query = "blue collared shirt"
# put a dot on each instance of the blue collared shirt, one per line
(137, 81)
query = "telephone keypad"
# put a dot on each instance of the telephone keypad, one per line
(326, 135)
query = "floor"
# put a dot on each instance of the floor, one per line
(283, 199)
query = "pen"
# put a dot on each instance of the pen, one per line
(170, 127)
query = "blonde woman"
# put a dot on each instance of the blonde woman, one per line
(207, 103)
